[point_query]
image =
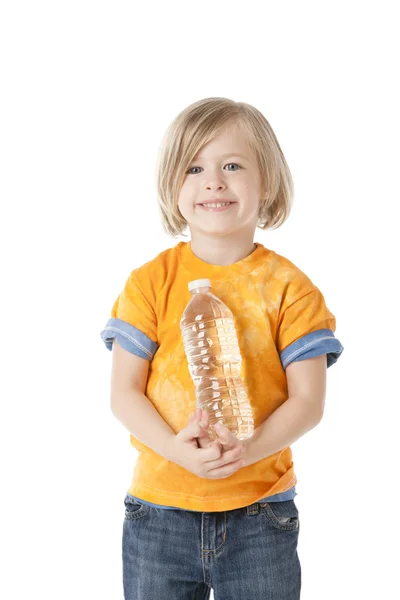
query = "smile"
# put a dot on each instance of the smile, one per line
(216, 206)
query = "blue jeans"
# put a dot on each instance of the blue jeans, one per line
(248, 553)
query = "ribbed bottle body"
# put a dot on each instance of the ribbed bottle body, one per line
(214, 360)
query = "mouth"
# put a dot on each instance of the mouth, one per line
(216, 206)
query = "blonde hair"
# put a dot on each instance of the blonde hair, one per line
(198, 124)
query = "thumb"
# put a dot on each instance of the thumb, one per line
(193, 430)
(195, 416)
(227, 439)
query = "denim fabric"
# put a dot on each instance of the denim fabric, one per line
(246, 553)
(313, 344)
(129, 337)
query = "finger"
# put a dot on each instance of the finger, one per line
(226, 436)
(205, 432)
(217, 444)
(227, 458)
(204, 442)
(223, 431)
(192, 430)
(211, 452)
(201, 416)
(195, 416)
(226, 470)
(204, 418)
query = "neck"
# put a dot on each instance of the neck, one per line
(222, 251)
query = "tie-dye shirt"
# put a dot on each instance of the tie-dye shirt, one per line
(280, 316)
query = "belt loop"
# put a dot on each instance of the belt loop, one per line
(253, 509)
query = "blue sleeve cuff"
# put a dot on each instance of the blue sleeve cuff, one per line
(129, 337)
(313, 344)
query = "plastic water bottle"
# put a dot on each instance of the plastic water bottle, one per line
(212, 349)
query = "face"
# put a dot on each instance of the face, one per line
(226, 169)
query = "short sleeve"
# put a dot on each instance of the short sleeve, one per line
(133, 321)
(306, 329)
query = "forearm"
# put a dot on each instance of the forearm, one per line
(135, 411)
(284, 426)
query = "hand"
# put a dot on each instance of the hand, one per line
(224, 435)
(209, 462)
(204, 440)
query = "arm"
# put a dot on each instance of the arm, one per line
(130, 405)
(136, 412)
(302, 411)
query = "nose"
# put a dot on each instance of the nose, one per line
(215, 181)
(217, 185)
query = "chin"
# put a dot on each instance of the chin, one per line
(221, 230)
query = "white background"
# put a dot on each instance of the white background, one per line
(88, 89)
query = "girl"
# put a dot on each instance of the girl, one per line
(203, 514)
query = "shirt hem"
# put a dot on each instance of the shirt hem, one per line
(202, 504)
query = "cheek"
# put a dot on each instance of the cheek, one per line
(185, 205)
(186, 197)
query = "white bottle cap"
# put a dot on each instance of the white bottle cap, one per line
(199, 283)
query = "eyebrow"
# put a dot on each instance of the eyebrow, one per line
(224, 155)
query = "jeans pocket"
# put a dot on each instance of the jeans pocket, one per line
(134, 509)
(282, 515)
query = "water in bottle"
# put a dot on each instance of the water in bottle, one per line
(213, 354)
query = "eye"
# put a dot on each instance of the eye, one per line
(235, 165)
(191, 168)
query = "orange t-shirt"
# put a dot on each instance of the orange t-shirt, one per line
(280, 316)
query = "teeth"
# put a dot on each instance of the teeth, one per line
(216, 204)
